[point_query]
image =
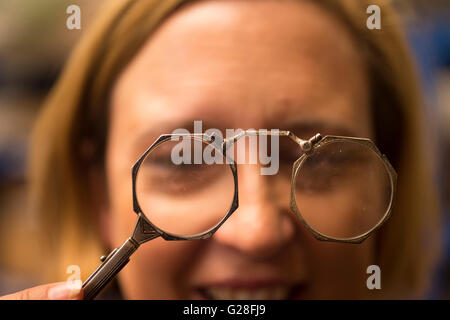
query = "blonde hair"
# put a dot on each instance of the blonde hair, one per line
(77, 111)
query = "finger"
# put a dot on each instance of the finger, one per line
(54, 291)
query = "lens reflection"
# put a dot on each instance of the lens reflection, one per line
(179, 192)
(343, 189)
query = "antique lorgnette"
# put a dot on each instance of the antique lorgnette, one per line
(341, 189)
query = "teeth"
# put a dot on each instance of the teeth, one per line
(280, 293)
(272, 293)
(262, 294)
(221, 294)
(242, 295)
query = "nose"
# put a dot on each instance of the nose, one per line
(262, 225)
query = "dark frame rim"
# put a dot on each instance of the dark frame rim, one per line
(172, 236)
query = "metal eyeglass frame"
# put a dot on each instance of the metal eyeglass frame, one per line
(145, 230)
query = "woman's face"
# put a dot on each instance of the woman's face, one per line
(239, 64)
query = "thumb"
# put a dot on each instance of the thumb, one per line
(54, 291)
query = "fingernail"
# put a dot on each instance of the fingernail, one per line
(64, 291)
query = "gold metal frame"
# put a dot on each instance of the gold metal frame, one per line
(316, 144)
(309, 147)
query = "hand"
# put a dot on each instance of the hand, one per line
(53, 291)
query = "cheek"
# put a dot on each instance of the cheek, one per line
(156, 269)
(340, 269)
(121, 214)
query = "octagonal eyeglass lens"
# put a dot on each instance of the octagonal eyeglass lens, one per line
(185, 187)
(343, 189)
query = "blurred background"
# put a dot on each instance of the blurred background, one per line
(34, 43)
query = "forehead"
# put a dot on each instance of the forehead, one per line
(244, 64)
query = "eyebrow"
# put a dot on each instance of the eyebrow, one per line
(302, 128)
(306, 129)
(149, 136)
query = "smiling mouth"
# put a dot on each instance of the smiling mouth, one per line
(250, 292)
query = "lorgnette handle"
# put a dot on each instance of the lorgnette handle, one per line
(111, 265)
